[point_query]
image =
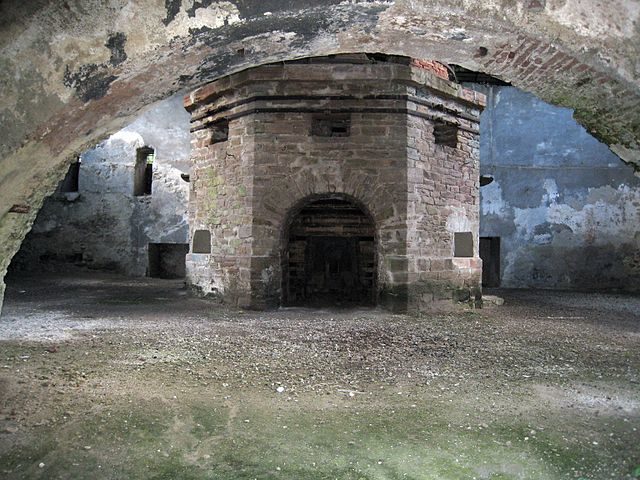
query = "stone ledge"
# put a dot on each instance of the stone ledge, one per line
(335, 73)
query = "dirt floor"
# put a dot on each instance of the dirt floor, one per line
(107, 377)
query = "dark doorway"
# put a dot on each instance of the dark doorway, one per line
(330, 259)
(167, 260)
(143, 173)
(490, 255)
(71, 180)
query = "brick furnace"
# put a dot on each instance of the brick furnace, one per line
(348, 180)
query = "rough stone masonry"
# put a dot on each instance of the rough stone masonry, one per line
(370, 156)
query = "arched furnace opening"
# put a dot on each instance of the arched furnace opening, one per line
(329, 257)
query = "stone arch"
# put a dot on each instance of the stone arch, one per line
(288, 194)
(343, 239)
(98, 68)
(354, 187)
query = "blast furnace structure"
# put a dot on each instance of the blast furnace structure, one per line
(342, 180)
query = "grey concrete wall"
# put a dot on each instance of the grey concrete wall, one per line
(567, 210)
(105, 226)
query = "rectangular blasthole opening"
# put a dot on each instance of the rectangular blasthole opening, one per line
(331, 125)
(219, 131)
(167, 260)
(463, 244)
(201, 241)
(490, 255)
(143, 173)
(445, 133)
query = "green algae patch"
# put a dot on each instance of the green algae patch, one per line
(245, 439)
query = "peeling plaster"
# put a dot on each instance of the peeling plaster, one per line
(590, 19)
(569, 220)
(127, 137)
(215, 15)
(492, 201)
(459, 222)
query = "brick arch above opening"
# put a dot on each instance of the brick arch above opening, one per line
(296, 208)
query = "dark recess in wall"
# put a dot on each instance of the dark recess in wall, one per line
(143, 174)
(490, 255)
(445, 134)
(167, 260)
(463, 244)
(331, 259)
(201, 241)
(70, 183)
(220, 131)
(331, 125)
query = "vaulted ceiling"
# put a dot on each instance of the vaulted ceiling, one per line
(74, 71)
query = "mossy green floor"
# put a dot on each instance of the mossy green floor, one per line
(376, 435)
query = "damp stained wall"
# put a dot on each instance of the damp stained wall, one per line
(104, 226)
(566, 209)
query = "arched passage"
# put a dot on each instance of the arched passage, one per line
(329, 254)
(73, 74)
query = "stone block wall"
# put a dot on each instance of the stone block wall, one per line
(443, 200)
(220, 202)
(359, 132)
(291, 166)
